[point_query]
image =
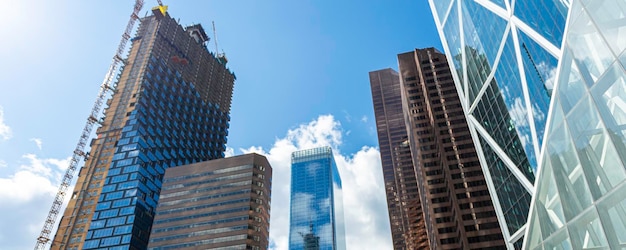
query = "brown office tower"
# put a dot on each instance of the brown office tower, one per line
(218, 204)
(457, 207)
(403, 201)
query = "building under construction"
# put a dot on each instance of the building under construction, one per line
(170, 108)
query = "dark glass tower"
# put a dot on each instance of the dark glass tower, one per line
(217, 204)
(316, 215)
(171, 108)
(408, 230)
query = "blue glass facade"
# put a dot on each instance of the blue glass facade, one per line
(316, 215)
(158, 135)
(503, 55)
(171, 108)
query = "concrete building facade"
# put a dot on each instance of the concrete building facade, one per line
(217, 204)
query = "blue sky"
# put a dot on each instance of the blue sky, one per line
(302, 80)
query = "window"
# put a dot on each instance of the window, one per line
(103, 233)
(116, 221)
(123, 229)
(110, 241)
(91, 244)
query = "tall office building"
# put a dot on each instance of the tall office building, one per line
(503, 56)
(457, 208)
(316, 215)
(580, 202)
(171, 108)
(408, 230)
(217, 204)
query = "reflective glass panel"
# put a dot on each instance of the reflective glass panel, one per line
(609, 16)
(603, 166)
(568, 172)
(483, 35)
(547, 17)
(442, 7)
(508, 78)
(609, 94)
(586, 232)
(540, 72)
(612, 212)
(571, 84)
(452, 34)
(548, 205)
(590, 51)
(559, 241)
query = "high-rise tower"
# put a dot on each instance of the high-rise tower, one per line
(171, 108)
(457, 206)
(408, 230)
(437, 195)
(316, 215)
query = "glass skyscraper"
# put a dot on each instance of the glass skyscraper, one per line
(171, 108)
(316, 215)
(580, 202)
(503, 55)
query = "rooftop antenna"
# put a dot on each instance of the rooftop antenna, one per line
(221, 57)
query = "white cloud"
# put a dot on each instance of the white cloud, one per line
(26, 197)
(3, 164)
(366, 218)
(229, 152)
(518, 112)
(5, 130)
(538, 115)
(37, 142)
(548, 73)
(364, 119)
(347, 116)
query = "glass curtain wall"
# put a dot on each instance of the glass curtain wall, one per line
(580, 202)
(503, 55)
(316, 216)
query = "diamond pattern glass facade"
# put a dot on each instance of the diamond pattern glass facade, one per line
(580, 201)
(316, 214)
(503, 56)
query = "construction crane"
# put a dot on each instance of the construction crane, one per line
(79, 153)
(221, 57)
